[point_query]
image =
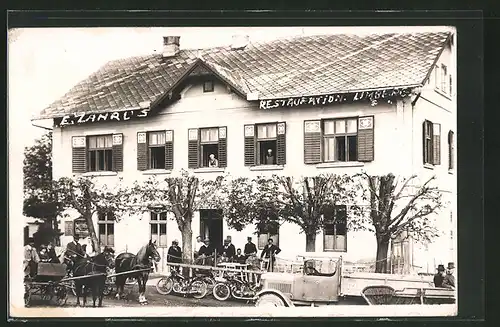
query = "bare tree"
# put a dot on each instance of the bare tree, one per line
(397, 206)
(181, 195)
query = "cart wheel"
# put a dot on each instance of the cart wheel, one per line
(61, 294)
(201, 289)
(165, 285)
(221, 291)
(269, 300)
(108, 289)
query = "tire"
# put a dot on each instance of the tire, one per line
(61, 294)
(165, 286)
(269, 300)
(221, 291)
(201, 288)
(108, 289)
(210, 283)
(27, 297)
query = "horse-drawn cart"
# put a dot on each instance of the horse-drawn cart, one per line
(49, 284)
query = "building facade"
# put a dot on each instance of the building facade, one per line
(378, 103)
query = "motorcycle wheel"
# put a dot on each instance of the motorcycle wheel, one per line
(201, 289)
(165, 286)
(210, 283)
(221, 291)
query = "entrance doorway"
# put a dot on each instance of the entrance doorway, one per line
(211, 226)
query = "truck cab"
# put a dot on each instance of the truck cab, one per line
(317, 283)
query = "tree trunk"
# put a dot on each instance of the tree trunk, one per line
(92, 234)
(382, 250)
(311, 242)
(187, 243)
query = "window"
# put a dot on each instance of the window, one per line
(208, 86)
(431, 143)
(451, 150)
(451, 85)
(340, 140)
(158, 227)
(155, 150)
(444, 78)
(209, 147)
(266, 144)
(265, 233)
(106, 223)
(428, 142)
(156, 144)
(335, 229)
(437, 77)
(100, 153)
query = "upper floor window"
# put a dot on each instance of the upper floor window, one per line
(266, 233)
(100, 153)
(431, 143)
(265, 144)
(444, 78)
(207, 147)
(208, 86)
(155, 150)
(339, 140)
(106, 223)
(335, 229)
(451, 150)
(97, 153)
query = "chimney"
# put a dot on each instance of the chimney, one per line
(170, 46)
(239, 42)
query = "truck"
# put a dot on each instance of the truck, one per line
(313, 285)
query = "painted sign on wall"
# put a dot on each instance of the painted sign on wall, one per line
(81, 228)
(334, 98)
(82, 118)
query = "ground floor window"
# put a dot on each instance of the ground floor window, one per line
(335, 230)
(266, 233)
(158, 227)
(106, 224)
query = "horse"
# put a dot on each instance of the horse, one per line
(128, 262)
(96, 265)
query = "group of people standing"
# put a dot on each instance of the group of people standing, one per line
(207, 253)
(445, 279)
(34, 255)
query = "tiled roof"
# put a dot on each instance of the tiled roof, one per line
(299, 66)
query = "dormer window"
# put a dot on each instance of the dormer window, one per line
(208, 86)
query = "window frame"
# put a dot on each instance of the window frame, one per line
(258, 142)
(333, 136)
(444, 80)
(156, 146)
(335, 247)
(109, 220)
(201, 143)
(90, 150)
(428, 143)
(158, 223)
(268, 235)
(208, 86)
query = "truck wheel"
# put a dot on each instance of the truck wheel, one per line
(221, 292)
(269, 300)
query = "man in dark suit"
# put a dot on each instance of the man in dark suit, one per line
(228, 250)
(239, 257)
(74, 251)
(439, 276)
(250, 248)
(269, 252)
(449, 279)
(174, 254)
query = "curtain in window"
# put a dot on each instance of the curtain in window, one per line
(157, 138)
(329, 149)
(210, 135)
(266, 131)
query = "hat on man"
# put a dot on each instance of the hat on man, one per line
(440, 268)
(31, 240)
(451, 265)
(249, 238)
(228, 238)
(175, 241)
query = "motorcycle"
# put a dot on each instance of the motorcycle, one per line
(235, 287)
(179, 284)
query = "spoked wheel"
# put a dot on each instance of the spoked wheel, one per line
(210, 283)
(108, 289)
(165, 286)
(200, 288)
(27, 296)
(61, 294)
(221, 291)
(177, 287)
(269, 300)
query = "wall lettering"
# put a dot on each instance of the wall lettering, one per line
(82, 118)
(335, 98)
